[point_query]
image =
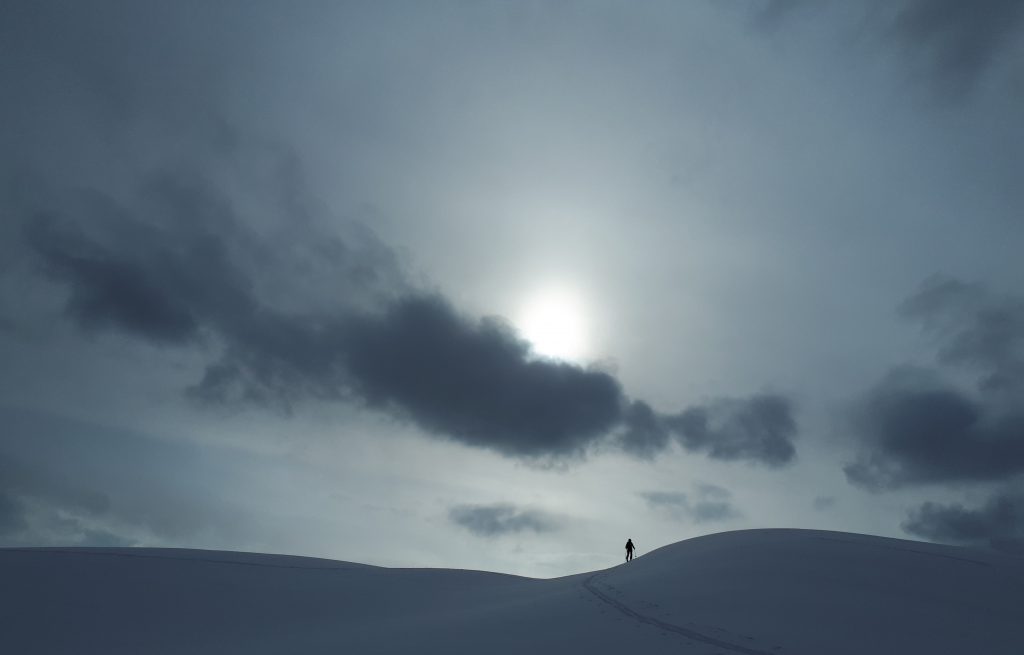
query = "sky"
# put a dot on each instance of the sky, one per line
(500, 285)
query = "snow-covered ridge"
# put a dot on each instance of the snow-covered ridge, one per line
(754, 591)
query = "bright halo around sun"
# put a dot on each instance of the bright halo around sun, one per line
(554, 323)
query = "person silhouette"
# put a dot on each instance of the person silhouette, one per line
(629, 549)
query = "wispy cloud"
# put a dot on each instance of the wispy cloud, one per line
(707, 503)
(502, 519)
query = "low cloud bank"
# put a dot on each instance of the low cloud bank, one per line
(707, 503)
(501, 519)
(998, 524)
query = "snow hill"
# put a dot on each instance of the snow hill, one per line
(778, 592)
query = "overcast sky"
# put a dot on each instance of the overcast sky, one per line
(500, 285)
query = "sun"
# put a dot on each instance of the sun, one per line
(553, 322)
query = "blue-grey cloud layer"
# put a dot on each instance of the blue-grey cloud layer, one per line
(177, 269)
(66, 482)
(708, 503)
(960, 40)
(919, 428)
(760, 428)
(501, 519)
(998, 523)
(954, 44)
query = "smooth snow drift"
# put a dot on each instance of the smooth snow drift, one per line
(756, 592)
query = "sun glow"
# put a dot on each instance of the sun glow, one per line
(554, 324)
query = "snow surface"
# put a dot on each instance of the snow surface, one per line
(753, 591)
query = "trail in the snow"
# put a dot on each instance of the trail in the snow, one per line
(670, 627)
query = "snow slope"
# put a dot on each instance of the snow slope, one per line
(753, 591)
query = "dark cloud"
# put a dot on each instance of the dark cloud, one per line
(958, 41)
(760, 429)
(226, 251)
(177, 267)
(177, 274)
(953, 44)
(708, 503)
(136, 286)
(918, 428)
(998, 524)
(475, 381)
(645, 434)
(501, 519)
(975, 328)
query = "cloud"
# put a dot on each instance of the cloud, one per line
(50, 526)
(958, 41)
(998, 524)
(760, 428)
(311, 315)
(501, 519)
(12, 514)
(177, 280)
(64, 481)
(711, 491)
(917, 428)
(199, 231)
(954, 44)
(475, 381)
(773, 13)
(671, 499)
(712, 503)
(975, 328)
(822, 503)
(645, 433)
(127, 275)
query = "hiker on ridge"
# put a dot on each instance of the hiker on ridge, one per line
(629, 549)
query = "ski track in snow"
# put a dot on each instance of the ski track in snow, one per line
(670, 627)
